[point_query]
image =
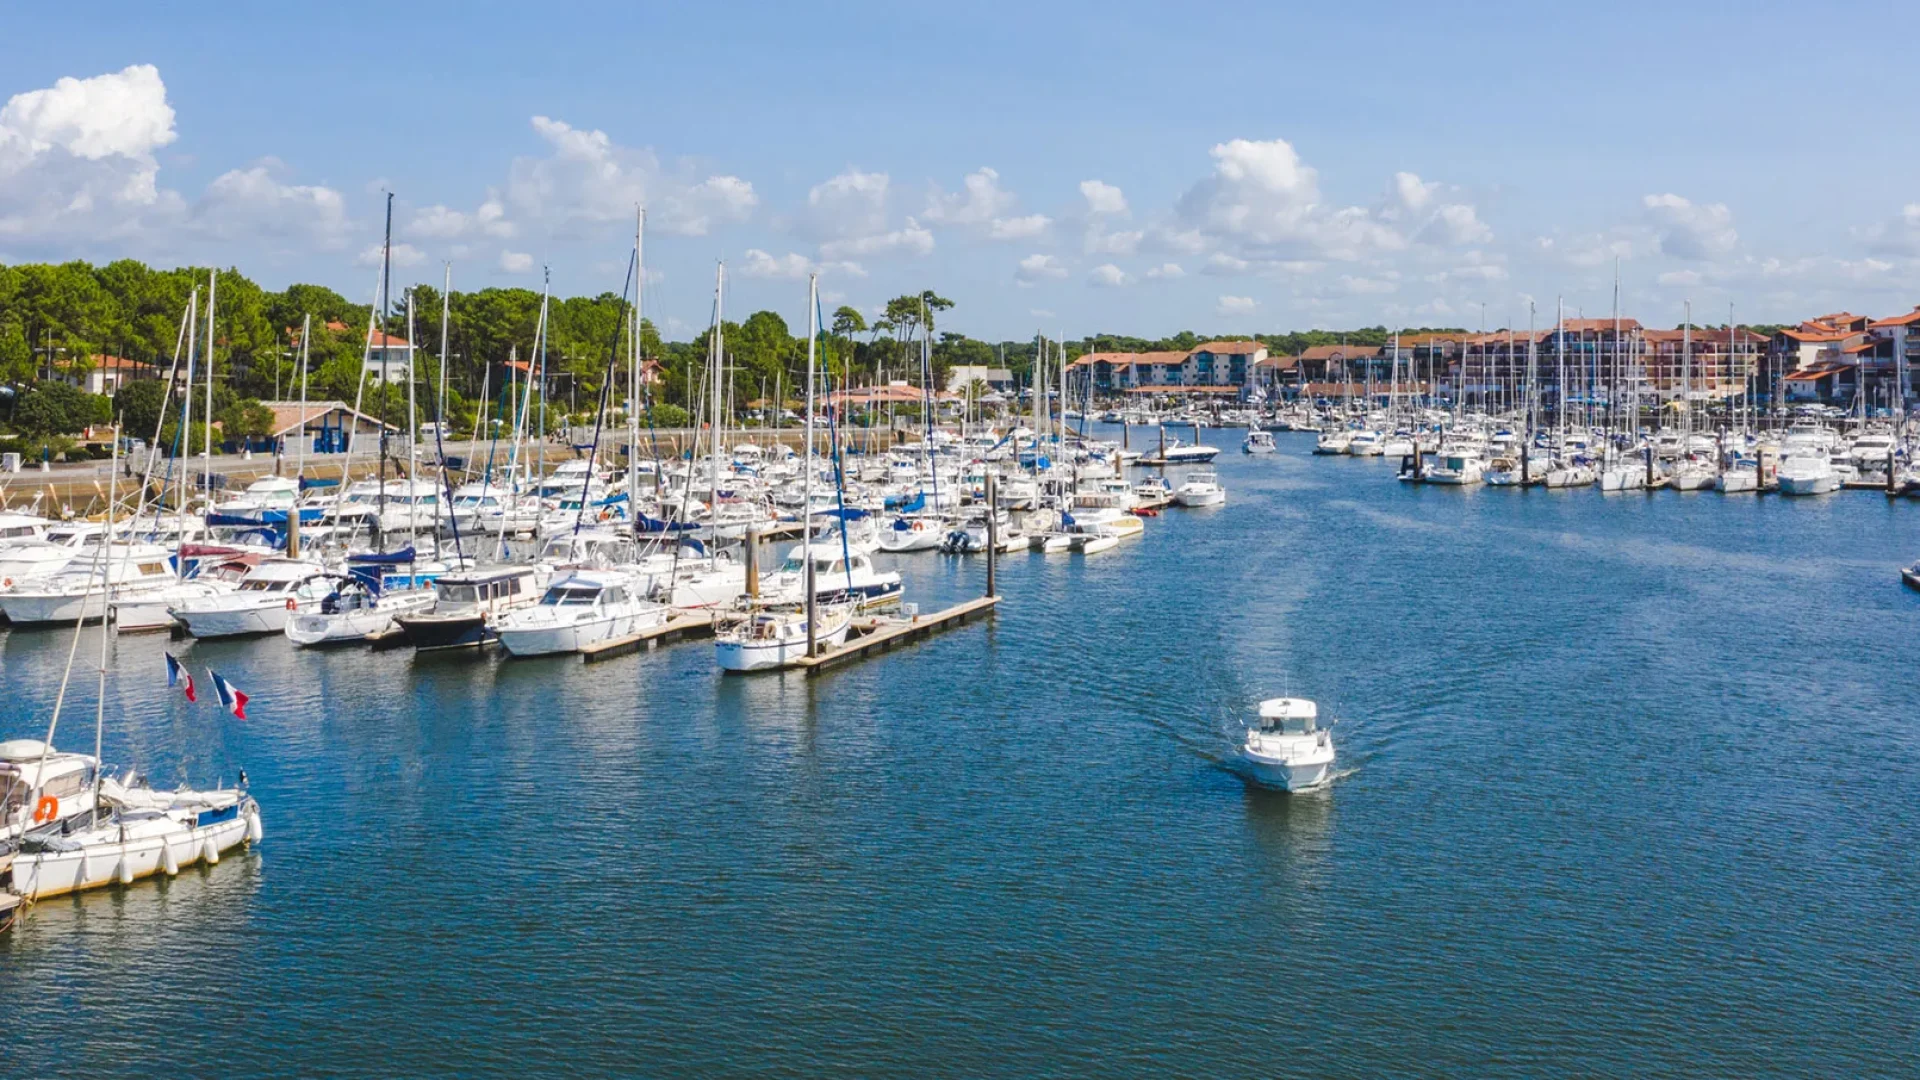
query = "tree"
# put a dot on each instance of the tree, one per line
(139, 405)
(54, 408)
(245, 419)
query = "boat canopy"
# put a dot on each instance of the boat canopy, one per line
(843, 513)
(387, 558)
(1288, 708)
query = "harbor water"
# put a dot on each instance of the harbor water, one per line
(1629, 786)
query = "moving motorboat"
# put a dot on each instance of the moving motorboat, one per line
(1200, 489)
(1257, 442)
(1287, 748)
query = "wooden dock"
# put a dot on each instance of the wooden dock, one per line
(877, 635)
(680, 627)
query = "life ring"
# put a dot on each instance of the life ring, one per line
(6, 583)
(46, 809)
(293, 604)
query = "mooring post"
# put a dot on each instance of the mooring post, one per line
(753, 564)
(993, 536)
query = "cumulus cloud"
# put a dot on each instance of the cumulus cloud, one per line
(1109, 276)
(1263, 200)
(980, 200)
(1680, 277)
(1357, 285)
(1166, 272)
(1100, 241)
(403, 255)
(1897, 236)
(587, 181)
(1036, 268)
(1235, 305)
(256, 203)
(792, 266)
(1102, 197)
(1018, 228)
(848, 214)
(438, 222)
(515, 262)
(77, 158)
(1690, 230)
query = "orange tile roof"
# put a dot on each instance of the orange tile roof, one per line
(1908, 319)
(1339, 352)
(1228, 347)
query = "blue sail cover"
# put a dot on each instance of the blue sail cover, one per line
(384, 558)
(844, 513)
(655, 525)
(908, 505)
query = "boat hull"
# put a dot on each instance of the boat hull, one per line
(233, 622)
(747, 656)
(1284, 775)
(426, 632)
(39, 875)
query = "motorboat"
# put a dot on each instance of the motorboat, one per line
(359, 608)
(1257, 442)
(1287, 748)
(834, 571)
(79, 591)
(1184, 454)
(1808, 472)
(767, 638)
(1461, 468)
(1334, 441)
(261, 603)
(1366, 444)
(1911, 575)
(1200, 489)
(32, 553)
(1575, 471)
(1694, 474)
(581, 607)
(466, 606)
(207, 575)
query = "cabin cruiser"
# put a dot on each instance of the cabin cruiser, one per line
(261, 603)
(209, 572)
(1911, 575)
(767, 638)
(834, 572)
(32, 554)
(1257, 442)
(971, 535)
(1871, 451)
(1179, 453)
(467, 604)
(1334, 441)
(1807, 472)
(1694, 474)
(1287, 748)
(78, 592)
(1461, 468)
(1200, 489)
(268, 493)
(1152, 491)
(581, 607)
(1503, 471)
(1365, 444)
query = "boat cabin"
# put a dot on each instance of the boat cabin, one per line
(1289, 716)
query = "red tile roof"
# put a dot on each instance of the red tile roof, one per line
(1228, 347)
(1908, 319)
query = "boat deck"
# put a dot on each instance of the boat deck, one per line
(687, 627)
(880, 634)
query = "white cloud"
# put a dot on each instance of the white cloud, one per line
(1263, 200)
(792, 266)
(587, 181)
(515, 262)
(1354, 285)
(1035, 268)
(1235, 305)
(978, 203)
(1019, 228)
(77, 159)
(1899, 236)
(1414, 193)
(1102, 197)
(1166, 272)
(848, 214)
(1680, 277)
(1221, 263)
(253, 203)
(403, 255)
(1689, 230)
(1101, 242)
(1109, 276)
(1455, 224)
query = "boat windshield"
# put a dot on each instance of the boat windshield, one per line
(570, 594)
(262, 585)
(457, 594)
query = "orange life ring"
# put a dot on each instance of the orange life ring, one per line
(46, 809)
(293, 604)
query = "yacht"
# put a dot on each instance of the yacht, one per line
(581, 607)
(466, 605)
(834, 571)
(79, 591)
(360, 608)
(1575, 471)
(1332, 442)
(1200, 489)
(1181, 454)
(1287, 748)
(1694, 474)
(34, 554)
(1808, 472)
(1871, 450)
(1257, 442)
(761, 638)
(1461, 468)
(206, 575)
(1366, 444)
(261, 603)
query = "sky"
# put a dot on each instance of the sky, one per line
(1066, 168)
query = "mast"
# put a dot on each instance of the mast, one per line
(186, 404)
(633, 375)
(1560, 357)
(106, 611)
(717, 352)
(300, 442)
(1686, 370)
(806, 472)
(386, 350)
(413, 431)
(213, 281)
(446, 307)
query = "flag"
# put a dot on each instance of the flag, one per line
(232, 698)
(178, 675)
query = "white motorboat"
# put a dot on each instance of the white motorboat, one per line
(355, 611)
(1809, 472)
(834, 571)
(1182, 454)
(1287, 748)
(1461, 468)
(1694, 474)
(262, 602)
(79, 591)
(769, 638)
(1257, 442)
(149, 610)
(1332, 442)
(1366, 444)
(581, 607)
(1200, 489)
(32, 554)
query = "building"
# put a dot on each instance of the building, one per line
(1213, 367)
(328, 426)
(389, 358)
(102, 374)
(997, 379)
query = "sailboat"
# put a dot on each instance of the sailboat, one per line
(765, 637)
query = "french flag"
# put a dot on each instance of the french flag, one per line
(232, 698)
(178, 675)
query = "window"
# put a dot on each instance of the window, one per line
(458, 594)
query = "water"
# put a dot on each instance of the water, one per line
(1629, 789)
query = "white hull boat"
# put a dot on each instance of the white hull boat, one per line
(581, 608)
(1288, 749)
(770, 640)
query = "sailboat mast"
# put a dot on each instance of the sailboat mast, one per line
(386, 351)
(186, 405)
(633, 376)
(213, 281)
(300, 443)
(716, 361)
(413, 433)
(806, 471)
(446, 307)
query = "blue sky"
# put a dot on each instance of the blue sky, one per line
(1135, 168)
